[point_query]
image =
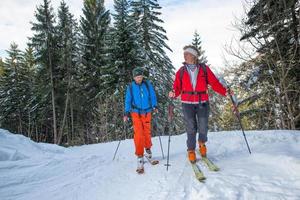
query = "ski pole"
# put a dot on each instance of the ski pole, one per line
(117, 149)
(162, 151)
(237, 114)
(156, 124)
(124, 129)
(170, 116)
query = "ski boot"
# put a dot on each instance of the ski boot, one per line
(192, 156)
(148, 153)
(202, 149)
(140, 165)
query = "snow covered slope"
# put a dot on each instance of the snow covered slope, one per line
(35, 171)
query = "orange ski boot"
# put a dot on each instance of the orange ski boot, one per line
(192, 156)
(202, 149)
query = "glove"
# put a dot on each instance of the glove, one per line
(126, 117)
(172, 94)
(235, 109)
(229, 92)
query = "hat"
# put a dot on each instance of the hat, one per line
(192, 50)
(138, 71)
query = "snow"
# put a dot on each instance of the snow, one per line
(277, 90)
(270, 71)
(30, 170)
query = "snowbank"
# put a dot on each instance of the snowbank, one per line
(14, 147)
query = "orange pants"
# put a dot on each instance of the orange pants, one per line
(142, 132)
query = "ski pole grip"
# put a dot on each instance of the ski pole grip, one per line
(171, 110)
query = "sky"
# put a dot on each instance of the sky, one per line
(212, 19)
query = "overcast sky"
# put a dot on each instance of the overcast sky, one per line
(211, 18)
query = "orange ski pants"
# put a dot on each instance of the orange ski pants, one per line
(142, 132)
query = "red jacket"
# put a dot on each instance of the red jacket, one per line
(186, 91)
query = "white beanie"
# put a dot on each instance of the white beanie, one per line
(191, 51)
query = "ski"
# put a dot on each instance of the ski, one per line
(211, 166)
(198, 173)
(152, 161)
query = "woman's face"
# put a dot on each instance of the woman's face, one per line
(189, 58)
(138, 79)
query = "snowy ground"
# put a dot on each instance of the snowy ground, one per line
(35, 171)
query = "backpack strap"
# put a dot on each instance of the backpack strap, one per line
(149, 96)
(205, 72)
(131, 94)
(183, 69)
(181, 72)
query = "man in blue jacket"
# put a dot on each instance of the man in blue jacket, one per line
(140, 101)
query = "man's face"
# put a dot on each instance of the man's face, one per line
(138, 79)
(189, 58)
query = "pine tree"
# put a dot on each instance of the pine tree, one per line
(1, 74)
(273, 29)
(126, 51)
(197, 43)
(10, 116)
(15, 95)
(67, 41)
(153, 42)
(30, 70)
(1, 66)
(45, 45)
(93, 27)
(125, 55)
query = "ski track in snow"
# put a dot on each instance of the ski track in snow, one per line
(30, 170)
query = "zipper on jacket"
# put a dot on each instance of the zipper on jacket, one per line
(141, 94)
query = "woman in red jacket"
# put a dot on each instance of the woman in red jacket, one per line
(191, 83)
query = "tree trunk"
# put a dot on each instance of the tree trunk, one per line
(36, 133)
(29, 125)
(64, 119)
(55, 139)
(72, 119)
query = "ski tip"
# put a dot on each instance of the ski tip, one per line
(210, 164)
(140, 171)
(155, 162)
(202, 180)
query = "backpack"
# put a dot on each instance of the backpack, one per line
(131, 93)
(182, 69)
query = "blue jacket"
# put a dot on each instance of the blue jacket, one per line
(139, 100)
